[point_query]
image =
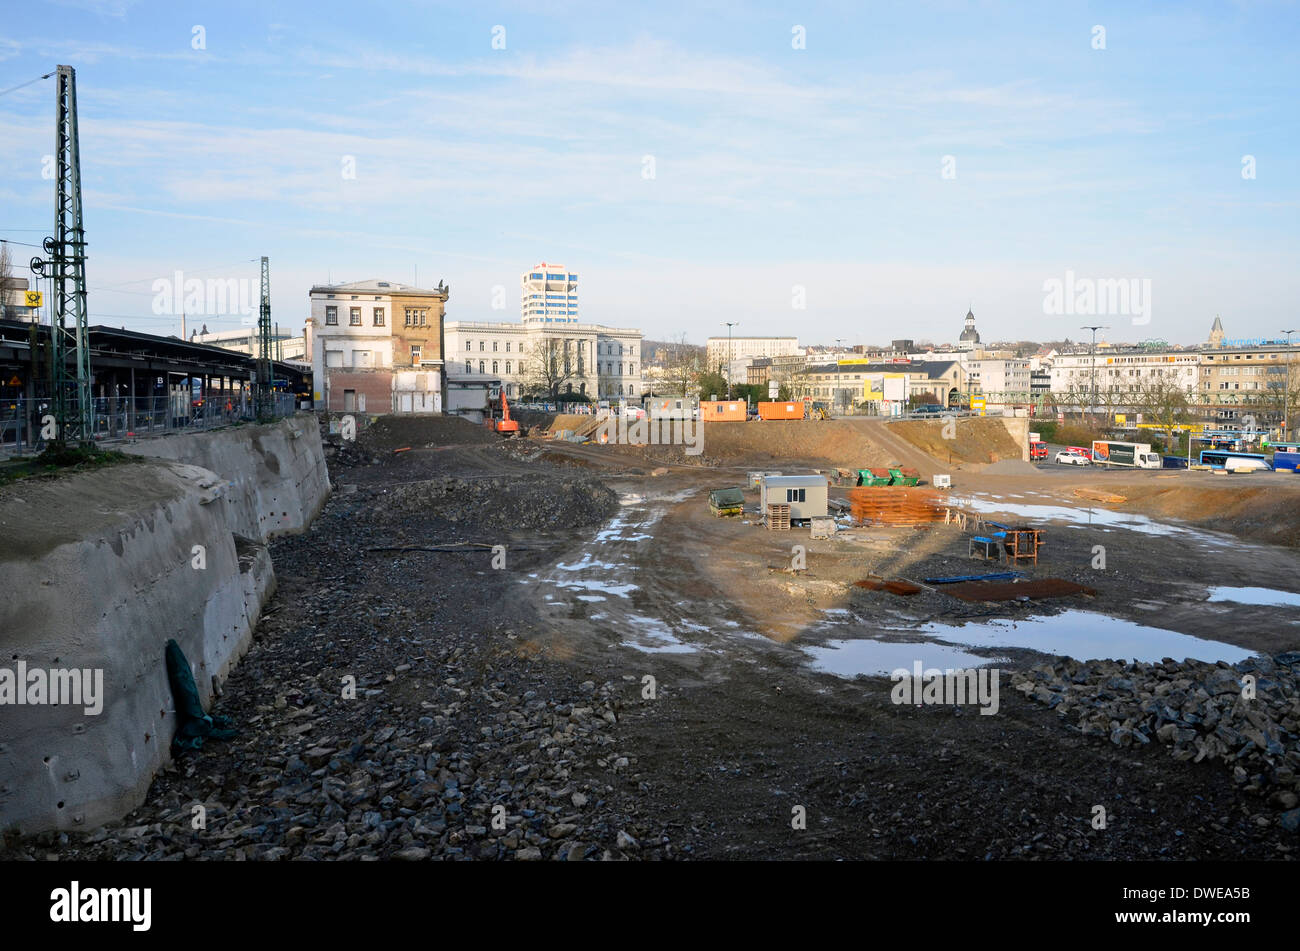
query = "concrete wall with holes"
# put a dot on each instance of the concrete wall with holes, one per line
(101, 568)
(276, 472)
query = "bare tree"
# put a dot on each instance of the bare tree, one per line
(547, 367)
(682, 365)
(6, 277)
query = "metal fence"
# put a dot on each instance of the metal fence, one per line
(23, 421)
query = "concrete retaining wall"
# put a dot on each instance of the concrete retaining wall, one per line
(276, 472)
(101, 569)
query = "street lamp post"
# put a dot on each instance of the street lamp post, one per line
(1286, 388)
(1093, 360)
(730, 324)
(838, 341)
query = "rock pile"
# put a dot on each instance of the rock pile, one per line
(504, 504)
(1246, 716)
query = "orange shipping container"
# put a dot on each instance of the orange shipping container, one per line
(780, 410)
(723, 411)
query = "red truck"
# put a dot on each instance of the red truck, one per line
(1038, 450)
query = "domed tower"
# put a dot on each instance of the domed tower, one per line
(970, 337)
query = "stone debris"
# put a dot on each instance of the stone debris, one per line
(1200, 711)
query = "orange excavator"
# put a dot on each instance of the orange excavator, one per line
(505, 425)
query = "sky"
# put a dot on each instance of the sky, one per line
(857, 171)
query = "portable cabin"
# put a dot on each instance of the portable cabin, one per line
(806, 494)
(723, 411)
(791, 410)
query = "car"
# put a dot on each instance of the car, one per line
(1068, 458)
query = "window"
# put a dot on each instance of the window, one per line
(494, 346)
(482, 366)
(354, 316)
(469, 345)
(379, 317)
(482, 346)
(494, 367)
(415, 354)
(361, 358)
(795, 495)
(331, 316)
(334, 358)
(507, 346)
(469, 366)
(507, 366)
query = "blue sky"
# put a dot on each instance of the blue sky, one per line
(774, 167)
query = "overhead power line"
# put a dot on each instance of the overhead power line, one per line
(28, 83)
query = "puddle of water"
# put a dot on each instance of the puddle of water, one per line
(591, 597)
(662, 639)
(881, 658)
(1086, 635)
(1084, 517)
(1083, 635)
(1268, 596)
(591, 584)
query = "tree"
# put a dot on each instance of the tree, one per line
(712, 385)
(547, 367)
(1161, 402)
(6, 274)
(682, 365)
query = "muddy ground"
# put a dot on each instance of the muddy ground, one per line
(525, 686)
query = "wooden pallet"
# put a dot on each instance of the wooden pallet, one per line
(778, 516)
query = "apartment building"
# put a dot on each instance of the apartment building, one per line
(585, 359)
(1121, 370)
(377, 347)
(1005, 380)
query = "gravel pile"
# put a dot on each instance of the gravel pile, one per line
(505, 504)
(1200, 711)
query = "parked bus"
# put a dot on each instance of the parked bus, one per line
(1286, 456)
(1241, 461)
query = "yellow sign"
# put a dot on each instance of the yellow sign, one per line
(1120, 419)
(33, 298)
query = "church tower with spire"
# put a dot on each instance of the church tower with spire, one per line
(970, 337)
(1216, 333)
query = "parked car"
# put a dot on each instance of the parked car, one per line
(1069, 457)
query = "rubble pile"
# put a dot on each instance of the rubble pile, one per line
(1245, 716)
(504, 504)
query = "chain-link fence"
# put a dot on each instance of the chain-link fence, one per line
(27, 424)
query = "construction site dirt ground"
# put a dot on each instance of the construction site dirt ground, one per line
(770, 686)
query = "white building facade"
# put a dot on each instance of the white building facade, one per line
(740, 350)
(603, 362)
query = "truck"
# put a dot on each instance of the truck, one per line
(1134, 455)
(1037, 448)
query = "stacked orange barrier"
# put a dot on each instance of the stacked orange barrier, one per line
(890, 505)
